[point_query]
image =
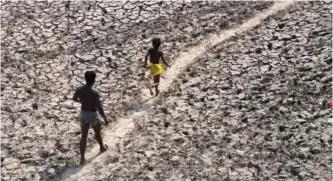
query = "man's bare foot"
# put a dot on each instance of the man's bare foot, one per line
(103, 149)
(83, 161)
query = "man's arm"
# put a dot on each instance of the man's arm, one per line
(76, 95)
(162, 57)
(100, 108)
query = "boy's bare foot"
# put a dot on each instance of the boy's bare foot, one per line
(104, 148)
(151, 92)
(157, 92)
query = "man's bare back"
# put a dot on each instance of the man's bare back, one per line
(89, 98)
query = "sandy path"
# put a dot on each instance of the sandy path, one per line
(124, 125)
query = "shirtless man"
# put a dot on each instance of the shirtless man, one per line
(90, 104)
(155, 68)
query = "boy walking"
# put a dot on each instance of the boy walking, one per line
(155, 68)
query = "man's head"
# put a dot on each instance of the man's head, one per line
(90, 77)
(156, 43)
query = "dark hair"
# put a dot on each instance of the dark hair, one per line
(156, 43)
(90, 76)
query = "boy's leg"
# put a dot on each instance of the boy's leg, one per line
(156, 82)
(151, 91)
(97, 129)
(83, 141)
(147, 79)
(148, 84)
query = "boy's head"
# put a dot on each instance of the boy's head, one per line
(90, 77)
(156, 43)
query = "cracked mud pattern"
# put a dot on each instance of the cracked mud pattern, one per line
(247, 111)
(47, 46)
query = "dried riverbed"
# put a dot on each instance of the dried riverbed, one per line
(47, 46)
(248, 110)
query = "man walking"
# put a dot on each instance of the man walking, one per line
(90, 104)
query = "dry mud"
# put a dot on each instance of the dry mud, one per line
(248, 110)
(46, 47)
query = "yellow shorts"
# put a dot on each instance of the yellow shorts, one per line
(155, 69)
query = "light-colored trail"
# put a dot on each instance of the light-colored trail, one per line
(124, 125)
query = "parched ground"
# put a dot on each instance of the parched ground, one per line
(249, 110)
(47, 46)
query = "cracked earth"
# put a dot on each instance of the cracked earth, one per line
(246, 109)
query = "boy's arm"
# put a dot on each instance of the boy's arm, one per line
(146, 58)
(76, 96)
(162, 57)
(100, 108)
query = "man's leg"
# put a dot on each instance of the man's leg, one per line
(83, 141)
(157, 82)
(97, 129)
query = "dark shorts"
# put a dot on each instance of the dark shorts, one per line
(89, 117)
